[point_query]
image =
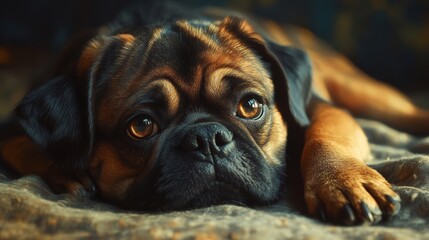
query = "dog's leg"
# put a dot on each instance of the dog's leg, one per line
(338, 186)
(21, 154)
(365, 97)
(338, 80)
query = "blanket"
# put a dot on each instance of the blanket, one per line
(29, 209)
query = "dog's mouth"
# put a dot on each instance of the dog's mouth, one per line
(216, 193)
(234, 180)
(222, 188)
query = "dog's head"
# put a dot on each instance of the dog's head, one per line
(174, 116)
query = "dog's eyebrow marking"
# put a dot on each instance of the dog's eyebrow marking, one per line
(215, 85)
(237, 76)
(169, 92)
(197, 33)
(224, 81)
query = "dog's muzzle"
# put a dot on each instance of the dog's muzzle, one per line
(207, 141)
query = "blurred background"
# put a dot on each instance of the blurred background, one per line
(388, 39)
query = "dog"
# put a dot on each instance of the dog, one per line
(188, 109)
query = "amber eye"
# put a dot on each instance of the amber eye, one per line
(141, 127)
(249, 108)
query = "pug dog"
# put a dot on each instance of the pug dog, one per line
(171, 110)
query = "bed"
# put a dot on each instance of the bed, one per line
(29, 209)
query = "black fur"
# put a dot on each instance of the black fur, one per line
(59, 117)
(56, 117)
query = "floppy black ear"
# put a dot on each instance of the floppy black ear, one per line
(290, 70)
(291, 73)
(57, 117)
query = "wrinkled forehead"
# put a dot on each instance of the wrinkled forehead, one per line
(185, 46)
(185, 59)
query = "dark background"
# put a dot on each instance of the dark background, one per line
(388, 39)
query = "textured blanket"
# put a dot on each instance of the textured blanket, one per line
(29, 209)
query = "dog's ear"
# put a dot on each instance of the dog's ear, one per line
(58, 116)
(292, 66)
(55, 116)
(290, 70)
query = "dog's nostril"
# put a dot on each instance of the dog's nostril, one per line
(206, 138)
(222, 138)
(201, 143)
(190, 143)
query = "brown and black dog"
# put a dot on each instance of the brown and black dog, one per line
(191, 110)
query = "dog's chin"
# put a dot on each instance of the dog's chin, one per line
(218, 193)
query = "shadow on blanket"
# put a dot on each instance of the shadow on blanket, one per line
(28, 208)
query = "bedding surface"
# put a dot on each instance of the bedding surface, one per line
(29, 209)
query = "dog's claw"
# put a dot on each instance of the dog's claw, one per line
(359, 195)
(377, 214)
(321, 214)
(366, 213)
(91, 190)
(347, 216)
(394, 205)
(89, 187)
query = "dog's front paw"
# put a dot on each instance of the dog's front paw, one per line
(351, 193)
(77, 184)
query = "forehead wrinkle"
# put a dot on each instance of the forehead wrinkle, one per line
(193, 88)
(163, 86)
(161, 72)
(169, 92)
(216, 81)
(129, 75)
(144, 76)
(107, 70)
(249, 62)
(197, 33)
(219, 80)
(155, 36)
(188, 87)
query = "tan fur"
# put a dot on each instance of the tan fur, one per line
(24, 156)
(94, 48)
(113, 177)
(197, 33)
(126, 38)
(332, 165)
(337, 80)
(276, 138)
(88, 57)
(332, 161)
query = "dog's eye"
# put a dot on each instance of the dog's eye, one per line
(249, 108)
(141, 127)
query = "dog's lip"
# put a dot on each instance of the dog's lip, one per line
(218, 187)
(215, 183)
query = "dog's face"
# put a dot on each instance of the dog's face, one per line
(178, 116)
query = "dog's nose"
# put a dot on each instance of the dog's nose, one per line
(207, 138)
